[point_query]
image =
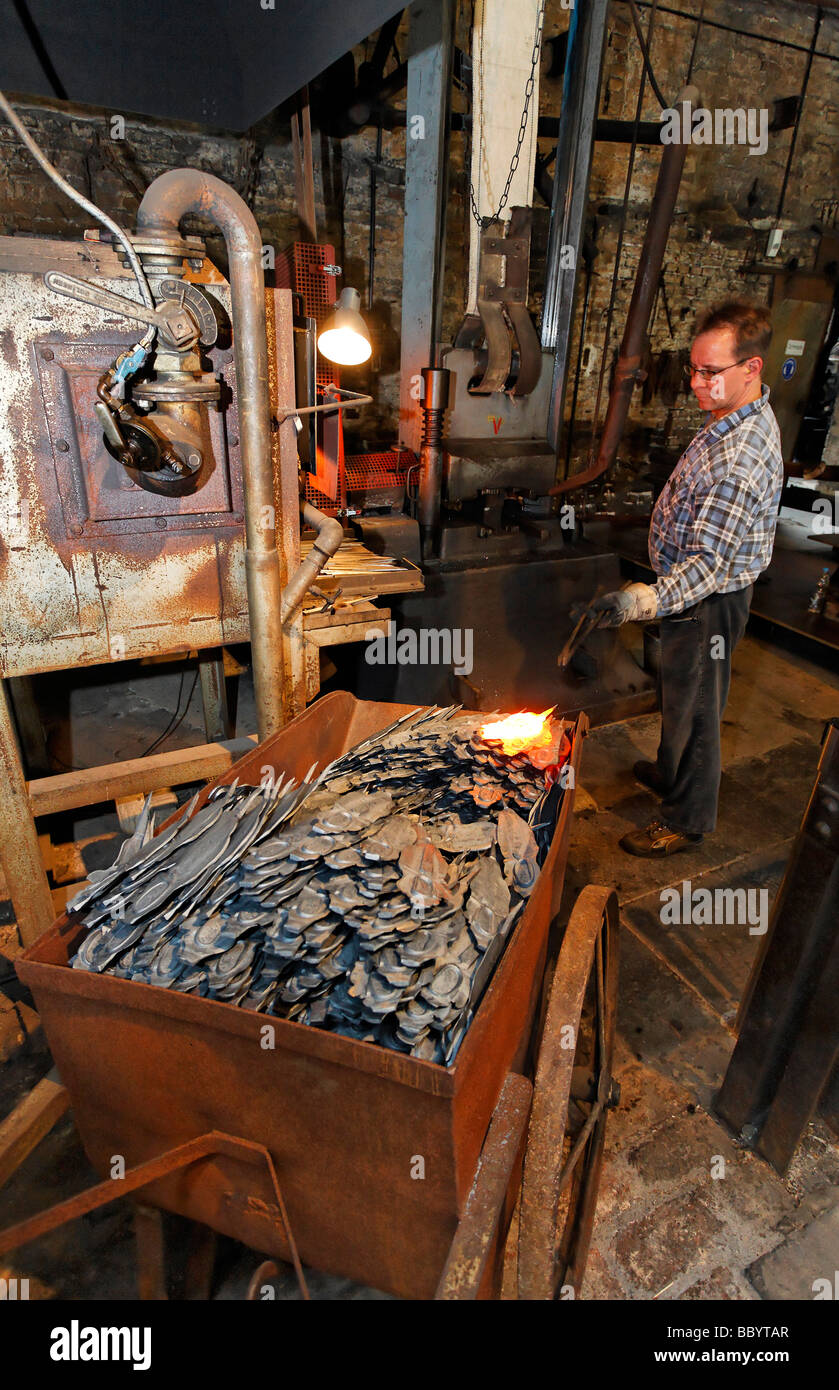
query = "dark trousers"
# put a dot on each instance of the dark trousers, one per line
(696, 650)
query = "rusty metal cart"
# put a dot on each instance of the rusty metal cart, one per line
(311, 1147)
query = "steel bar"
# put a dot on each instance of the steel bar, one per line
(580, 99)
(482, 1227)
(431, 47)
(142, 1175)
(166, 201)
(344, 399)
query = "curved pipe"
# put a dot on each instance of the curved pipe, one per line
(330, 533)
(165, 202)
(646, 282)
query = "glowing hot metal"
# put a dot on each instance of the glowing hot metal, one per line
(519, 731)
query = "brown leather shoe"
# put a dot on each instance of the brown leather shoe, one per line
(657, 840)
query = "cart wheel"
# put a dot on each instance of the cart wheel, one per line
(572, 1092)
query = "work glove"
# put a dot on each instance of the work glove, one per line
(635, 604)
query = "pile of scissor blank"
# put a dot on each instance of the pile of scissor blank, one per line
(373, 900)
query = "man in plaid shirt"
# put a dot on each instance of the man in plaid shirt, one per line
(711, 535)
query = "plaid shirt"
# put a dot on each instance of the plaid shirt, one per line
(713, 526)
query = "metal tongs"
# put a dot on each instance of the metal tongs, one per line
(585, 625)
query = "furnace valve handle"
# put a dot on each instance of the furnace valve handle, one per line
(174, 320)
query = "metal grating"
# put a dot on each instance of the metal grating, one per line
(389, 469)
(301, 268)
(365, 474)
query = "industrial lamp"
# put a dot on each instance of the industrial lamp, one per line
(344, 338)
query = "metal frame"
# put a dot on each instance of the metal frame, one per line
(575, 146)
(429, 75)
(431, 48)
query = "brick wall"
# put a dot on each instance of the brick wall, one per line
(727, 201)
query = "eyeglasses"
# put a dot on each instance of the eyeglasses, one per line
(707, 372)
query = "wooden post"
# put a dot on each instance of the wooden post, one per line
(217, 722)
(23, 866)
(31, 1119)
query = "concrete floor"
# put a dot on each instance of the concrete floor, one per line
(666, 1226)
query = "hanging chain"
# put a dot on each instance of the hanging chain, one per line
(528, 93)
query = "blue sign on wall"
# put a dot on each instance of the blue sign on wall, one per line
(788, 369)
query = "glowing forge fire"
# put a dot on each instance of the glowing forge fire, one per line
(520, 731)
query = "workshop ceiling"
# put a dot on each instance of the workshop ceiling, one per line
(209, 61)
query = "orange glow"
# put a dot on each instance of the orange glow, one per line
(519, 731)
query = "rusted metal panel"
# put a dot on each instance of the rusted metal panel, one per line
(92, 567)
(344, 1121)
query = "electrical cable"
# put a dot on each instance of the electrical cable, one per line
(695, 42)
(771, 39)
(799, 109)
(79, 199)
(176, 720)
(645, 53)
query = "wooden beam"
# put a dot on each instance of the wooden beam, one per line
(68, 790)
(347, 632)
(26, 1126)
(314, 619)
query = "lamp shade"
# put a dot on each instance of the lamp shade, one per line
(344, 339)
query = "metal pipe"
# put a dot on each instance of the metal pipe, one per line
(640, 307)
(330, 534)
(165, 202)
(354, 399)
(436, 392)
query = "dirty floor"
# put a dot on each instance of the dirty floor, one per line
(684, 1214)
